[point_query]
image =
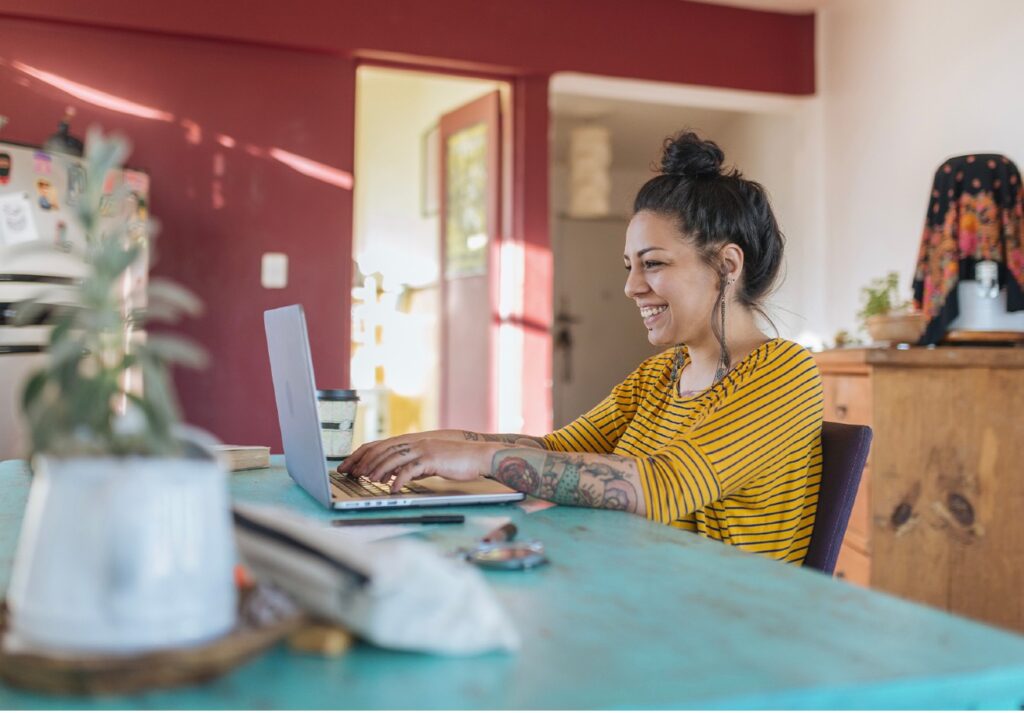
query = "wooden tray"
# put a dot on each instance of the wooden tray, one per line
(960, 336)
(263, 620)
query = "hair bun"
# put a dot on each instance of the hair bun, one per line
(687, 155)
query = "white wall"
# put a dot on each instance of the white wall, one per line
(782, 152)
(906, 84)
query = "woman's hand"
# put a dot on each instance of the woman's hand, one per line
(383, 444)
(418, 456)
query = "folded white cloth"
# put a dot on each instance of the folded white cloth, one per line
(398, 594)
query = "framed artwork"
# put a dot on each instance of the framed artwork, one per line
(430, 169)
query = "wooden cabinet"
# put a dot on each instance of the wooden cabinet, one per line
(939, 516)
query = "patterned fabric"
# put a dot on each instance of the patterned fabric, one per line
(740, 463)
(976, 212)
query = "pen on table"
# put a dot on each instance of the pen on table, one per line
(402, 520)
(500, 534)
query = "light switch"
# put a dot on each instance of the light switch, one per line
(274, 273)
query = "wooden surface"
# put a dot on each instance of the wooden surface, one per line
(629, 614)
(963, 336)
(940, 515)
(858, 360)
(259, 627)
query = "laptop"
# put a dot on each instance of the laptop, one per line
(291, 366)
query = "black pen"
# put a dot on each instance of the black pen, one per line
(402, 520)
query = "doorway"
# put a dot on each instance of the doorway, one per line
(411, 327)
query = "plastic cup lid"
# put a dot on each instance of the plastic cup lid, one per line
(337, 395)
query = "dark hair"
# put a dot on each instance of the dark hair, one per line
(712, 208)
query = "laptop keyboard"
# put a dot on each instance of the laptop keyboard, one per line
(364, 488)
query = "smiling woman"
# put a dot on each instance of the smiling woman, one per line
(721, 433)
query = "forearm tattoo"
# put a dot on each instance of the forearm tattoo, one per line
(568, 483)
(584, 479)
(516, 473)
(512, 439)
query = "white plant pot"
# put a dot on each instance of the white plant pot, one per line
(124, 555)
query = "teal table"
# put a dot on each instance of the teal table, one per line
(629, 614)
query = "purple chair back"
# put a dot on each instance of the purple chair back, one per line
(844, 451)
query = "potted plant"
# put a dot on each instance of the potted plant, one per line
(127, 543)
(885, 317)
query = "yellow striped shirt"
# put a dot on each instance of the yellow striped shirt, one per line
(740, 463)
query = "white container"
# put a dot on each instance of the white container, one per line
(983, 304)
(337, 410)
(124, 555)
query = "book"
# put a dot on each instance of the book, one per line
(243, 457)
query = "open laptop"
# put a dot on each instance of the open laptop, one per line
(291, 366)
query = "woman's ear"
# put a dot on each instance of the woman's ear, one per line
(731, 257)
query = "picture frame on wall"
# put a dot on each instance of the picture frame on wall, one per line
(430, 167)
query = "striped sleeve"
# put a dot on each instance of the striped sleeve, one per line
(599, 430)
(766, 416)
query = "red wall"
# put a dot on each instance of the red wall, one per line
(668, 40)
(262, 98)
(283, 74)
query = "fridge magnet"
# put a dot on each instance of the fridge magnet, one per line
(47, 196)
(136, 181)
(139, 209)
(43, 163)
(16, 223)
(60, 238)
(76, 183)
(5, 169)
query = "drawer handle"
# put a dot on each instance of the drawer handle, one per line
(841, 411)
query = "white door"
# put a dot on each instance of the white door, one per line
(598, 335)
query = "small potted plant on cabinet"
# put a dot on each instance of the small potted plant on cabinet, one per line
(885, 317)
(126, 543)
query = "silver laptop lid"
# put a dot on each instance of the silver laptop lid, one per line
(291, 366)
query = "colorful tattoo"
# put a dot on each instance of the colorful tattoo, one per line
(568, 484)
(518, 474)
(588, 480)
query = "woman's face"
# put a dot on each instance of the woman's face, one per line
(673, 288)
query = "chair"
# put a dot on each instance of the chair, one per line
(844, 450)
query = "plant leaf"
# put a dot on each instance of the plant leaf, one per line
(166, 293)
(174, 350)
(34, 388)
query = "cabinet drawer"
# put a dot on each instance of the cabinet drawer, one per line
(853, 566)
(847, 398)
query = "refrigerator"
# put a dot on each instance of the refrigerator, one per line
(41, 239)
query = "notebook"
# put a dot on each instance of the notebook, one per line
(291, 368)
